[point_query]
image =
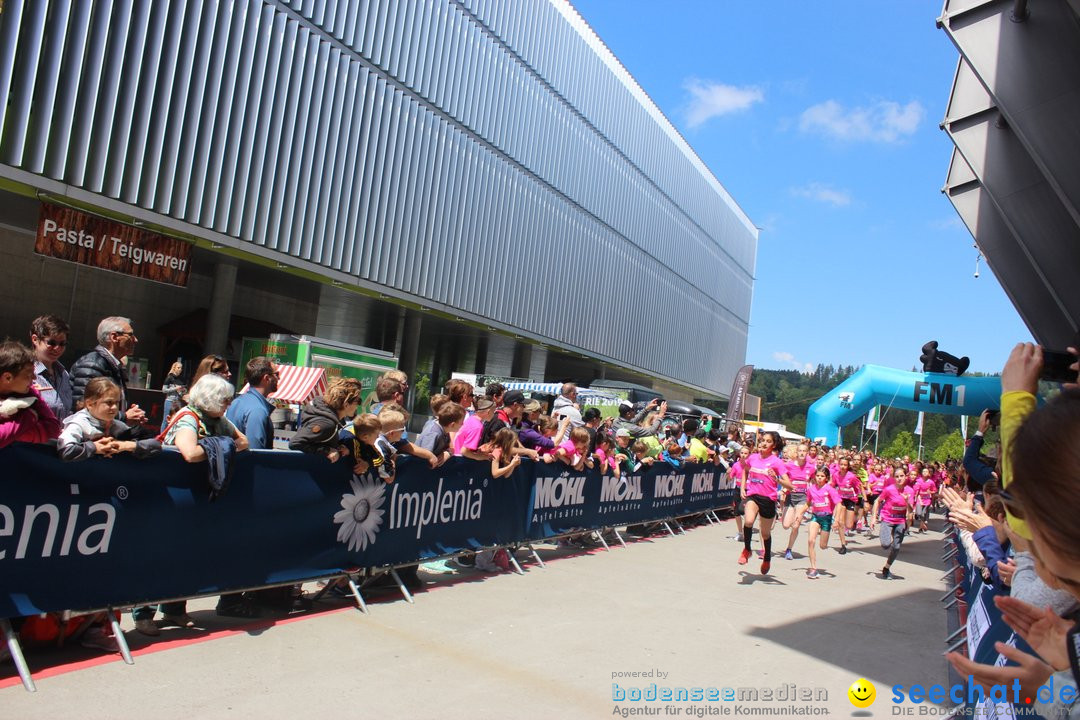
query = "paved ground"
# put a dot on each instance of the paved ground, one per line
(542, 645)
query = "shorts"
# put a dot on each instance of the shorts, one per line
(795, 498)
(825, 521)
(849, 504)
(740, 505)
(922, 512)
(766, 506)
(872, 499)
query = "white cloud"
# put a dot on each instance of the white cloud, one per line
(884, 121)
(713, 99)
(823, 193)
(950, 223)
(789, 359)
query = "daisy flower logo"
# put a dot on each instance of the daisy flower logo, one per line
(361, 514)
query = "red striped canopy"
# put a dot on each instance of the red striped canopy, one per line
(297, 384)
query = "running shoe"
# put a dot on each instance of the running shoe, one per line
(765, 565)
(744, 556)
(885, 573)
(842, 550)
(787, 554)
(811, 574)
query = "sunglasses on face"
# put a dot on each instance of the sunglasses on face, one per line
(56, 343)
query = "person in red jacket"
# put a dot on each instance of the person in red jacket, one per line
(24, 416)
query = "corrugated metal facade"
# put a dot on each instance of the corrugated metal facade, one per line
(483, 155)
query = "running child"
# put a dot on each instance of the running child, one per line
(765, 473)
(800, 473)
(823, 499)
(895, 509)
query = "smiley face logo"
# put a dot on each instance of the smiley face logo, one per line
(862, 693)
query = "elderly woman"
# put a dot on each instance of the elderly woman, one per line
(203, 417)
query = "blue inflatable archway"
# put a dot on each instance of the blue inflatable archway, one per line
(875, 385)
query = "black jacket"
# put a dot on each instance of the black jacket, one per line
(97, 363)
(318, 433)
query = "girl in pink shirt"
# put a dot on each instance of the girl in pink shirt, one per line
(737, 473)
(895, 507)
(765, 472)
(800, 474)
(850, 489)
(924, 494)
(822, 499)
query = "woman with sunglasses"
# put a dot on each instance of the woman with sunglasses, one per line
(48, 337)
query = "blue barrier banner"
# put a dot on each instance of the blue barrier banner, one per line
(562, 500)
(985, 627)
(119, 531)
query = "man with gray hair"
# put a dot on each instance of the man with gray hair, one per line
(116, 340)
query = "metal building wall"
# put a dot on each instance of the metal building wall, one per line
(477, 155)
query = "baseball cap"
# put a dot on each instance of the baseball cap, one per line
(626, 405)
(483, 403)
(622, 432)
(513, 396)
(532, 406)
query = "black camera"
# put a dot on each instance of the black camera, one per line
(1057, 367)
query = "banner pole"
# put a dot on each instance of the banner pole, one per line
(536, 555)
(619, 536)
(121, 641)
(669, 528)
(514, 562)
(356, 594)
(401, 586)
(600, 534)
(17, 655)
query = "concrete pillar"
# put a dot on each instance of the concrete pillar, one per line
(500, 356)
(538, 364)
(409, 352)
(221, 303)
(342, 316)
(522, 361)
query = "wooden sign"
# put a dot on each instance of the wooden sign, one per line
(73, 235)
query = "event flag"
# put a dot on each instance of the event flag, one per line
(918, 425)
(963, 426)
(873, 418)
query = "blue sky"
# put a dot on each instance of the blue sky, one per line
(821, 120)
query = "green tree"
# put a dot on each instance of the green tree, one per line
(951, 446)
(902, 444)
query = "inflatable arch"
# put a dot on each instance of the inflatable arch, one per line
(875, 385)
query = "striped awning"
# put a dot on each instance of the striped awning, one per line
(297, 384)
(586, 395)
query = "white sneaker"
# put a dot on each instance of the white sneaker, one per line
(147, 627)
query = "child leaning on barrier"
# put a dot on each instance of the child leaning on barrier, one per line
(24, 416)
(605, 454)
(394, 418)
(94, 430)
(503, 459)
(575, 451)
(437, 433)
(360, 436)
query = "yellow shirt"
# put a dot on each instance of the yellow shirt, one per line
(1016, 405)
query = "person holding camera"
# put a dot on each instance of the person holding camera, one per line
(980, 471)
